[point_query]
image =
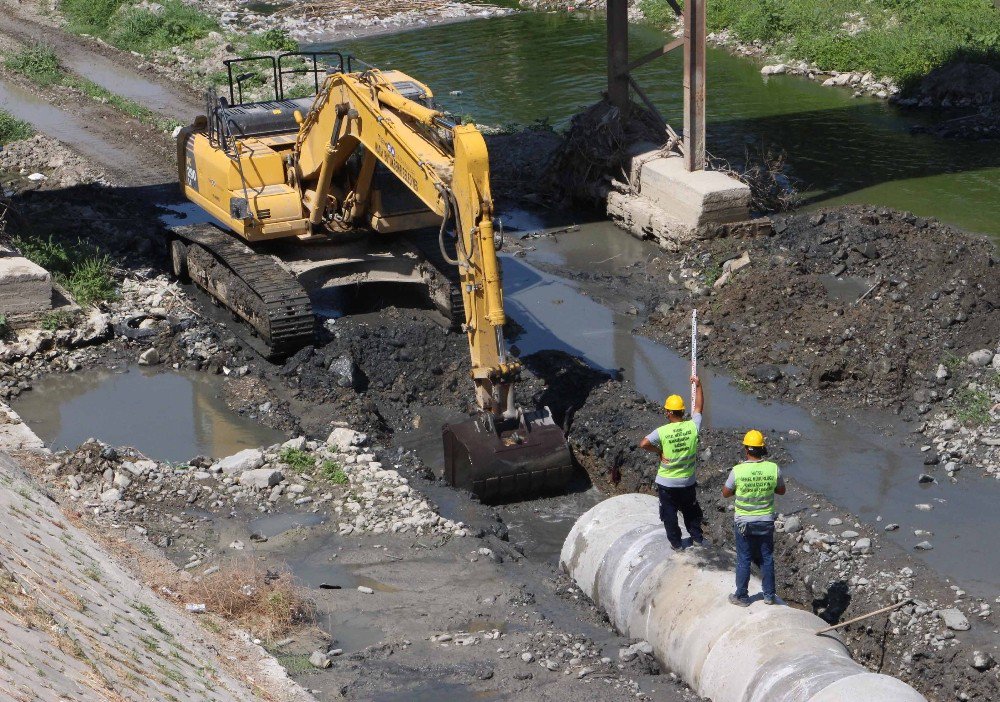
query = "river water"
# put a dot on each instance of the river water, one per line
(531, 66)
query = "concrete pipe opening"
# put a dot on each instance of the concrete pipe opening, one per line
(618, 554)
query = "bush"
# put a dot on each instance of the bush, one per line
(90, 281)
(332, 471)
(133, 29)
(38, 63)
(271, 40)
(52, 255)
(297, 459)
(903, 39)
(13, 129)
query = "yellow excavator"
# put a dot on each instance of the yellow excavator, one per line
(304, 195)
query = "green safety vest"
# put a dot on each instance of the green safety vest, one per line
(678, 449)
(755, 484)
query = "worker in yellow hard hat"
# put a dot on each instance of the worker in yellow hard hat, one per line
(754, 482)
(676, 443)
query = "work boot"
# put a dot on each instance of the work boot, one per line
(770, 600)
(739, 601)
(677, 546)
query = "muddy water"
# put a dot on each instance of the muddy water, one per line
(858, 461)
(169, 416)
(59, 125)
(532, 66)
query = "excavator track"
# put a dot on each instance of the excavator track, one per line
(426, 242)
(252, 286)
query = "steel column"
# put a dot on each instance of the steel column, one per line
(618, 54)
(694, 85)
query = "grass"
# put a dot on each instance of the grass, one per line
(13, 129)
(4, 326)
(57, 320)
(134, 29)
(972, 406)
(271, 40)
(297, 459)
(266, 602)
(902, 39)
(295, 663)
(40, 65)
(81, 269)
(332, 471)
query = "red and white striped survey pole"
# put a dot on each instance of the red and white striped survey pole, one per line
(694, 354)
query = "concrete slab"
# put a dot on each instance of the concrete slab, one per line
(15, 435)
(665, 203)
(694, 198)
(25, 287)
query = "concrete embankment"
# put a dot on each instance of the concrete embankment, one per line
(76, 625)
(619, 556)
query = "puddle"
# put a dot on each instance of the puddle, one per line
(437, 691)
(849, 460)
(845, 289)
(169, 416)
(274, 524)
(123, 82)
(59, 125)
(475, 626)
(541, 526)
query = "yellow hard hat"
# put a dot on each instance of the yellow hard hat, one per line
(754, 439)
(674, 403)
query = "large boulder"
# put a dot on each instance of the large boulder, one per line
(247, 459)
(261, 478)
(343, 438)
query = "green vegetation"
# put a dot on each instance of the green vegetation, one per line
(4, 326)
(973, 406)
(297, 459)
(80, 268)
(271, 40)
(40, 65)
(13, 129)
(295, 663)
(134, 29)
(57, 320)
(903, 39)
(332, 471)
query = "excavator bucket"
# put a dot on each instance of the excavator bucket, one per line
(524, 458)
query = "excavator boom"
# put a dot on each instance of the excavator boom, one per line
(319, 180)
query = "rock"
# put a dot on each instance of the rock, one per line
(296, 444)
(247, 459)
(149, 357)
(111, 496)
(237, 545)
(850, 534)
(950, 426)
(347, 373)
(318, 659)
(94, 329)
(365, 590)
(774, 70)
(891, 527)
(627, 654)
(261, 478)
(334, 652)
(527, 657)
(793, 525)
(954, 619)
(551, 665)
(35, 177)
(924, 546)
(924, 507)
(767, 373)
(343, 438)
(862, 546)
(835, 521)
(924, 478)
(980, 358)
(982, 661)
(122, 480)
(942, 372)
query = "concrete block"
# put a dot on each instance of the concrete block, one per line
(25, 287)
(694, 199)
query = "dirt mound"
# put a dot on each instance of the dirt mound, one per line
(962, 84)
(855, 306)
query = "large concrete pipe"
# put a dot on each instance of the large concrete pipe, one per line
(619, 556)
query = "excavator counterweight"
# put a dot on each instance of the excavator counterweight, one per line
(304, 190)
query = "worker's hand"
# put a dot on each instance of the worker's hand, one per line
(696, 381)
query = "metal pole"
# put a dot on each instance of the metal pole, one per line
(618, 54)
(694, 85)
(694, 353)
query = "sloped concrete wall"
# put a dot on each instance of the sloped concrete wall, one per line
(619, 556)
(74, 625)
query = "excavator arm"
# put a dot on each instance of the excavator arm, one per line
(447, 167)
(504, 453)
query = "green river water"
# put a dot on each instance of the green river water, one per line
(531, 66)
